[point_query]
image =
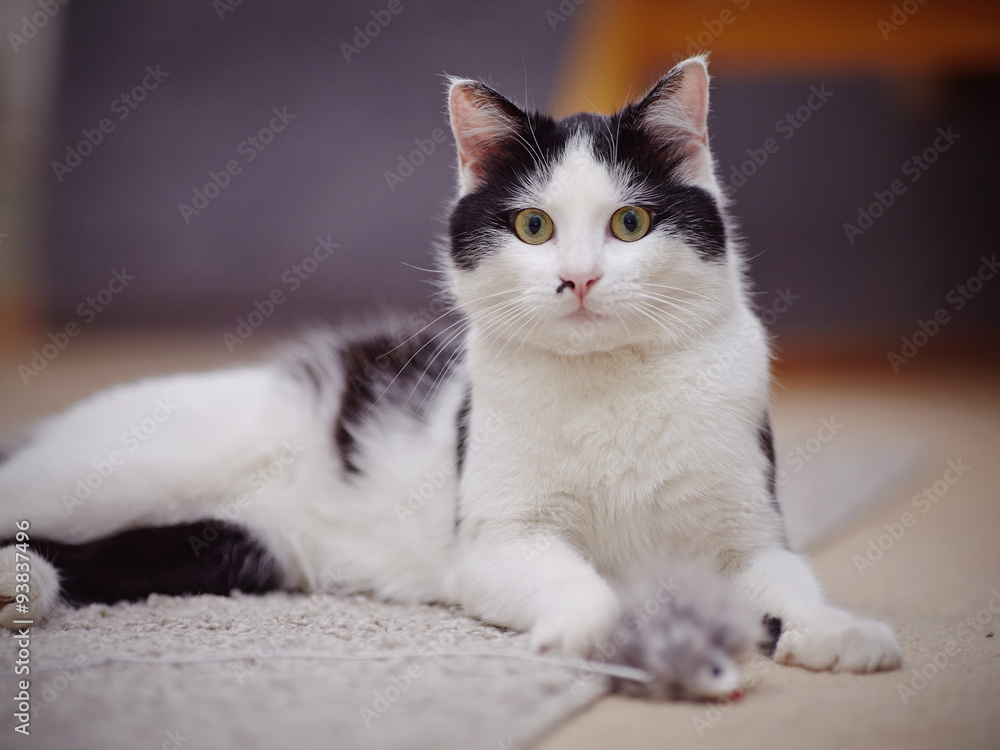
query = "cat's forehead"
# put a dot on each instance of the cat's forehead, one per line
(590, 159)
(576, 177)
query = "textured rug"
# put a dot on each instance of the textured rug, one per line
(264, 698)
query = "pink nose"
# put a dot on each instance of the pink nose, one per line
(579, 283)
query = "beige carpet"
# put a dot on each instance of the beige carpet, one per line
(846, 448)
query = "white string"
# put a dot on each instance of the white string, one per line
(611, 670)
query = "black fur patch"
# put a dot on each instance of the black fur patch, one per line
(619, 141)
(765, 439)
(209, 557)
(462, 428)
(773, 627)
(386, 371)
(462, 437)
(477, 218)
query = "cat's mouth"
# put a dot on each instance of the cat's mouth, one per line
(583, 313)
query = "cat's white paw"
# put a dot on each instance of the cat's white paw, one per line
(42, 588)
(577, 625)
(839, 642)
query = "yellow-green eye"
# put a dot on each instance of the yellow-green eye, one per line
(630, 223)
(533, 226)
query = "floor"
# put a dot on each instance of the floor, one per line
(936, 577)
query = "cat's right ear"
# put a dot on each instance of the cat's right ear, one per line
(482, 121)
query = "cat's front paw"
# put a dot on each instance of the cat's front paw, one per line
(576, 626)
(839, 642)
(30, 575)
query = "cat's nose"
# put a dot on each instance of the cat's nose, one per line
(579, 283)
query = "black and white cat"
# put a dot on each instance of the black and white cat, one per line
(521, 463)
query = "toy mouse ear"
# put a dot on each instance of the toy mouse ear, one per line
(483, 122)
(676, 111)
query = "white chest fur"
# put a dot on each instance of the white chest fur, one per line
(627, 454)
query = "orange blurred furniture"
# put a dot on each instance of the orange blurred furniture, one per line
(624, 45)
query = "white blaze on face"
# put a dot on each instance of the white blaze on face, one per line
(579, 196)
(580, 199)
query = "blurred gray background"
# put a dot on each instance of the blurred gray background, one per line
(325, 174)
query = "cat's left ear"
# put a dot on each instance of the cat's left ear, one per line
(483, 123)
(675, 111)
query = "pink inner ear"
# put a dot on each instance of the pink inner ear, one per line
(478, 124)
(463, 116)
(692, 99)
(677, 110)
(683, 106)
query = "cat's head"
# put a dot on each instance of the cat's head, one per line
(592, 232)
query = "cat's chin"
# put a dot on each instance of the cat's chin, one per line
(595, 336)
(584, 314)
(584, 335)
